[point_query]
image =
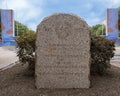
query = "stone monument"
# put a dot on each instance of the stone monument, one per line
(62, 52)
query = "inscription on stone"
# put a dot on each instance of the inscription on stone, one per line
(62, 52)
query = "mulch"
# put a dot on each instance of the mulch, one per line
(17, 81)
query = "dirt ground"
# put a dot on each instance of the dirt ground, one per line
(16, 81)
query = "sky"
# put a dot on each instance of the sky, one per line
(31, 12)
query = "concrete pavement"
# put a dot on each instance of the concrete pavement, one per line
(116, 59)
(115, 63)
(8, 57)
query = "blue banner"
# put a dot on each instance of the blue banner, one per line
(7, 25)
(112, 24)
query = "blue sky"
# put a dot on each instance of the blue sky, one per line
(31, 12)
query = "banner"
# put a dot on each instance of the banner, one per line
(112, 24)
(7, 25)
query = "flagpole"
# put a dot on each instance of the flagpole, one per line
(6, 4)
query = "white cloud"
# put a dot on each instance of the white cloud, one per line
(25, 11)
(112, 3)
(93, 21)
(98, 13)
(31, 12)
(115, 1)
(88, 6)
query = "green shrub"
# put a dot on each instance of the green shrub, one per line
(102, 50)
(26, 49)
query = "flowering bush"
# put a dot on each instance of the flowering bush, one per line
(26, 49)
(102, 50)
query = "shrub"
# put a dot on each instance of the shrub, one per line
(26, 49)
(102, 50)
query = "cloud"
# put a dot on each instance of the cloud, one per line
(93, 19)
(115, 2)
(31, 12)
(98, 10)
(26, 11)
(112, 3)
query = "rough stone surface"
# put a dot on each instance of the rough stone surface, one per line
(62, 52)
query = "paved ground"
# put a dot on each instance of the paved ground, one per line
(117, 51)
(8, 57)
(116, 60)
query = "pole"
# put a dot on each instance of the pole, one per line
(102, 29)
(6, 4)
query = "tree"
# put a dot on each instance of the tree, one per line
(119, 20)
(98, 29)
(0, 24)
(20, 29)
